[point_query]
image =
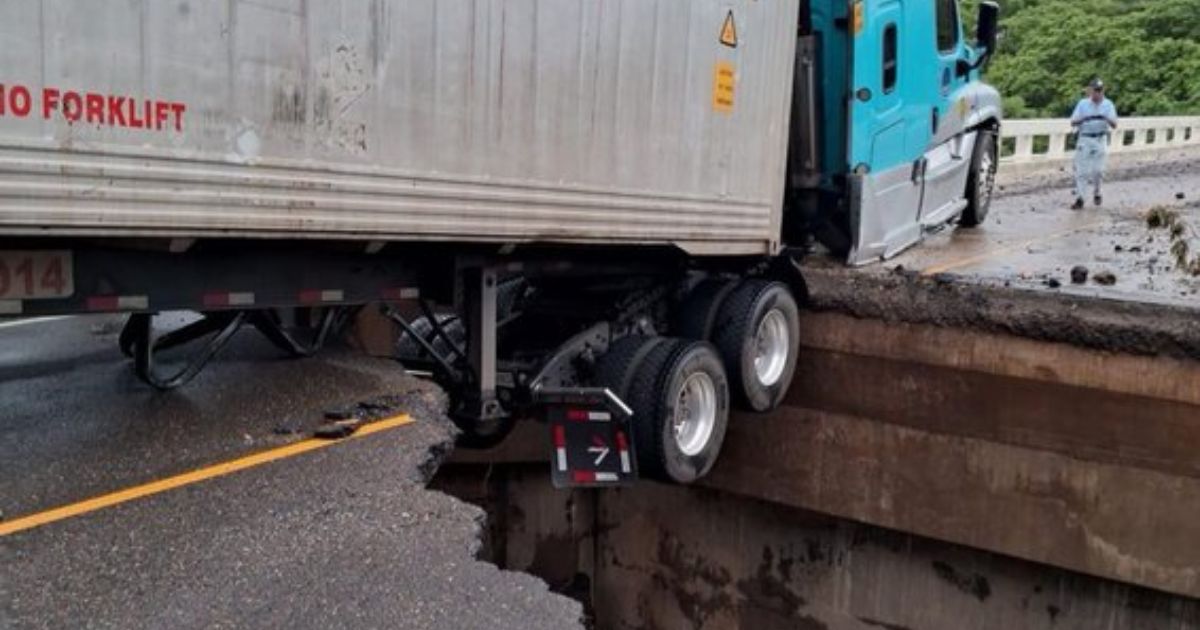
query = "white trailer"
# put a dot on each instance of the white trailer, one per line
(443, 120)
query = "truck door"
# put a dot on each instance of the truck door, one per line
(948, 153)
(885, 169)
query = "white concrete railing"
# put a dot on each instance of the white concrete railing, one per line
(1045, 139)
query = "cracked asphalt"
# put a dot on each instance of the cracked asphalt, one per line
(346, 536)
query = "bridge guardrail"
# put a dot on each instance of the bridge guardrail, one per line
(1046, 140)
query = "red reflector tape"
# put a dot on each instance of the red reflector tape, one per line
(102, 303)
(622, 445)
(560, 437)
(583, 415)
(217, 299)
(583, 476)
(587, 476)
(316, 296)
(117, 303)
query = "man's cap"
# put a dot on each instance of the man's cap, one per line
(1096, 84)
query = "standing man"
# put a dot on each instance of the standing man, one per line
(1095, 117)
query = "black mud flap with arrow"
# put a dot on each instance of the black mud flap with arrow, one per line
(591, 442)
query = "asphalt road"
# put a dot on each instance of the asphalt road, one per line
(344, 536)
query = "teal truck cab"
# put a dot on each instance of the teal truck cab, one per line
(894, 133)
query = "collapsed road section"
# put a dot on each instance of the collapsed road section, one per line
(218, 512)
(951, 454)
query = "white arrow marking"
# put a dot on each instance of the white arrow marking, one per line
(600, 452)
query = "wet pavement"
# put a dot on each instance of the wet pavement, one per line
(345, 535)
(1032, 240)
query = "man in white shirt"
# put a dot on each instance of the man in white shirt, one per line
(1095, 117)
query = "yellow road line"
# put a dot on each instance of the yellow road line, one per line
(170, 483)
(1053, 236)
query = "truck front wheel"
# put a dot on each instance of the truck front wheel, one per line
(679, 395)
(981, 181)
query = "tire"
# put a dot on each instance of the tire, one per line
(981, 181)
(485, 434)
(618, 367)
(697, 313)
(408, 348)
(657, 377)
(759, 313)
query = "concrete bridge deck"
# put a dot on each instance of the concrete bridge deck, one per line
(1049, 434)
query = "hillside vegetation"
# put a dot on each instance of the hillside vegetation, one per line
(1147, 51)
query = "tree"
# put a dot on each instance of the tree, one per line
(1147, 51)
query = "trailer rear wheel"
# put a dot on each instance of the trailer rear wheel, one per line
(697, 314)
(679, 394)
(758, 334)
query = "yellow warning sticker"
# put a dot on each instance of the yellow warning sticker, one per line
(963, 106)
(859, 16)
(724, 80)
(729, 31)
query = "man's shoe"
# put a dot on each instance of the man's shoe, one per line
(1097, 199)
(1078, 205)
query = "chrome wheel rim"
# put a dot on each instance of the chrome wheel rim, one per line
(771, 345)
(695, 413)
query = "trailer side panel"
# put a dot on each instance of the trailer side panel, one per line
(633, 121)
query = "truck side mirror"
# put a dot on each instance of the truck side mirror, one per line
(989, 26)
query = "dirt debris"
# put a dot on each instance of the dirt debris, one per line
(1185, 238)
(1079, 273)
(1086, 321)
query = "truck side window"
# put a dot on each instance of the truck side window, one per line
(889, 58)
(947, 25)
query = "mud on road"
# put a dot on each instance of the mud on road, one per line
(1014, 273)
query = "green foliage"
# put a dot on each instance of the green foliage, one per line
(1147, 51)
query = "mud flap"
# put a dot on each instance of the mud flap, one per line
(591, 442)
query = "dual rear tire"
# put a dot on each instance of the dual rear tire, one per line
(741, 344)
(679, 394)
(755, 325)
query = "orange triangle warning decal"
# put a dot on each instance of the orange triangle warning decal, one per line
(729, 31)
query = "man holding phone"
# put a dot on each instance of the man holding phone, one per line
(1094, 118)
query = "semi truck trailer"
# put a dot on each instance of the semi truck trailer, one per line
(589, 212)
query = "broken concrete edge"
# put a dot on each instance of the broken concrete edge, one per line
(428, 405)
(952, 301)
